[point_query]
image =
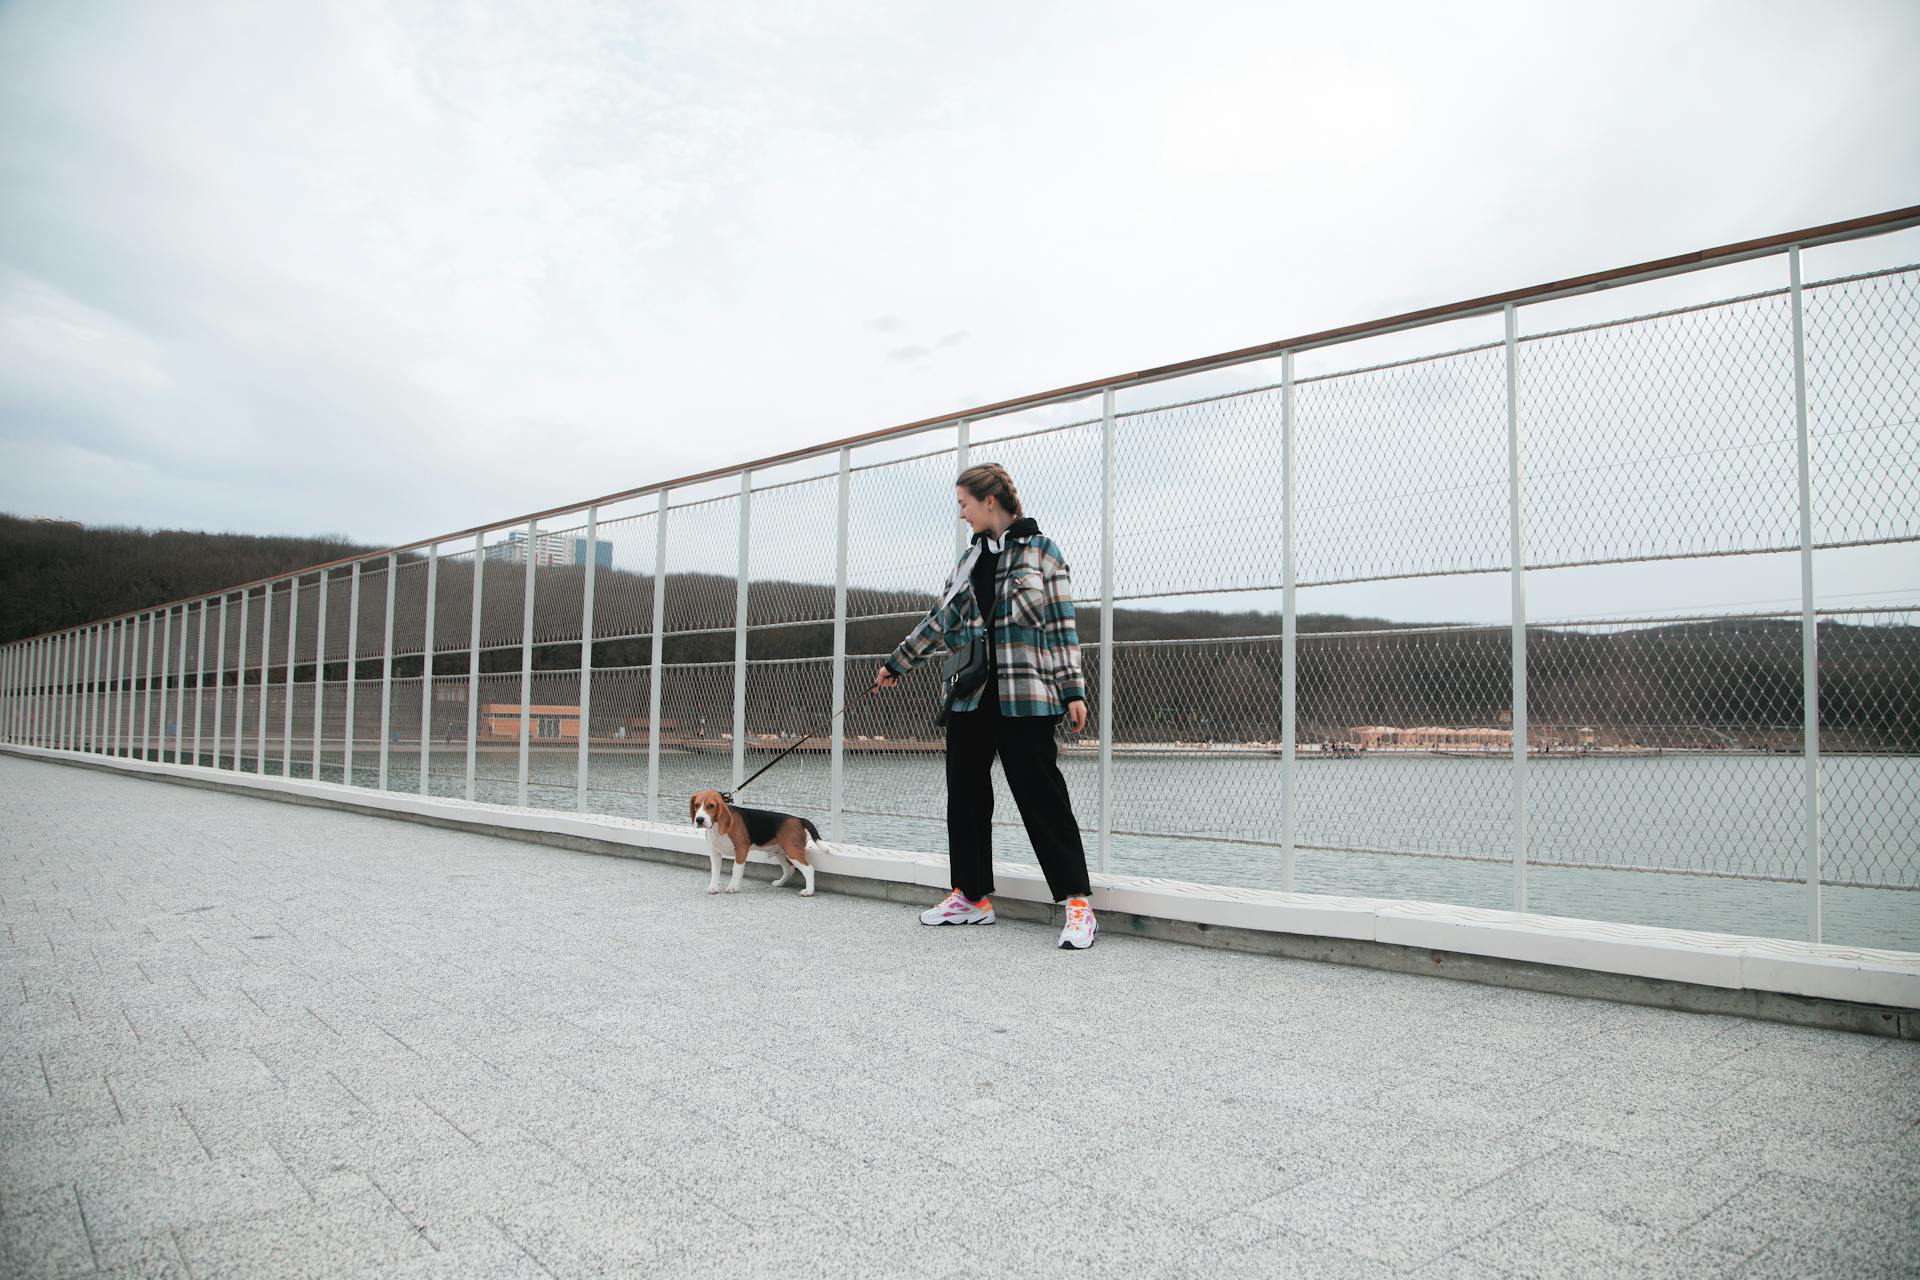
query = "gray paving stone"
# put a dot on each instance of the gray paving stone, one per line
(1555, 1240)
(352, 1236)
(1868, 1259)
(43, 1234)
(257, 1039)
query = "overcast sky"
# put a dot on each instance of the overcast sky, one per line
(394, 269)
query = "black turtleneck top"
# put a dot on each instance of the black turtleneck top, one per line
(985, 574)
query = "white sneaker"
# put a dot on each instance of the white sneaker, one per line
(1078, 935)
(957, 909)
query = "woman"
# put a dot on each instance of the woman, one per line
(1017, 577)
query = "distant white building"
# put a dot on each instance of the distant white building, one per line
(551, 549)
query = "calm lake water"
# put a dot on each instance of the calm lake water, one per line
(1190, 818)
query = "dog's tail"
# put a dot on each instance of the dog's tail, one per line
(812, 830)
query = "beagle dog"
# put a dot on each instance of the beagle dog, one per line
(731, 832)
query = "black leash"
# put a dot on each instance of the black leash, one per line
(728, 795)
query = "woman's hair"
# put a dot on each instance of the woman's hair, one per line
(990, 480)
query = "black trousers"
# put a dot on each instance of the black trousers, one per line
(1028, 755)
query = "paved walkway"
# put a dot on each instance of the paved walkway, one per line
(248, 1038)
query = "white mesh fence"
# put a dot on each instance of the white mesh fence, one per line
(1659, 749)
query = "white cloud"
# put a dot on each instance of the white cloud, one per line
(399, 268)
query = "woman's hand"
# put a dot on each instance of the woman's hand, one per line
(886, 679)
(1076, 715)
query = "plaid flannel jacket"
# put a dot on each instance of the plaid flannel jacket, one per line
(1036, 647)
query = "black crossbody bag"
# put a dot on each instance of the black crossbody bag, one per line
(964, 671)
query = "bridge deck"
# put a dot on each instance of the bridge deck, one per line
(253, 1038)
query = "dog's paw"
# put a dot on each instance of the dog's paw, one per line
(733, 888)
(806, 893)
(713, 888)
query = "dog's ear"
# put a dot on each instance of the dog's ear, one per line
(693, 803)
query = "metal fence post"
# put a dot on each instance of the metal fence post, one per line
(266, 674)
(166, 651)
(96, 692)
(83, 691)
(473, 657)
(119, 678)
(836, 818)
(66, 700)
(220, 684)
(108, 695)
(1515, 550)
(69, 694)
(386, 671)
(146, 692)
(1107, 475)
(60, 645)
(659, 651)
(963, 447)
(200, 678)
(129, 676)
(180, 689)
(102, 690)
(1809, 623)
(240, 690)
(353, 673)
(102, 693)
(1289, 638)
(740, 603)
(85, 685)
(43, 693)
(426, 667)
(64, 740)
(585, 732)
(82, 703)
(76, 706)
(293, 649)
(526, 660)
(319, 668)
